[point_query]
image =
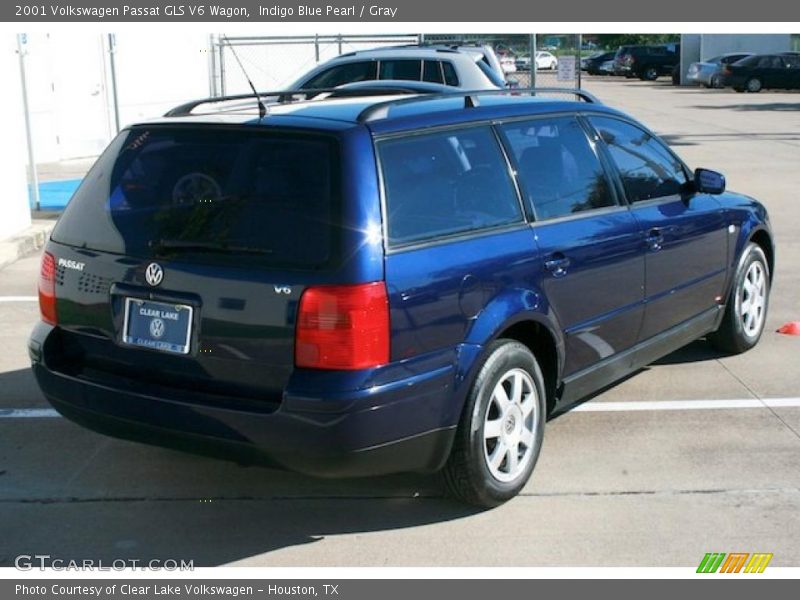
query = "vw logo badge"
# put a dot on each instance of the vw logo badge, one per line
(154, 274)
(157, 328)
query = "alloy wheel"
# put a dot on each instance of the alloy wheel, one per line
(509, 427)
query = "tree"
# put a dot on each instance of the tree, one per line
(614, 40)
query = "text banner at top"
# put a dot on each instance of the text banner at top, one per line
(465, 11)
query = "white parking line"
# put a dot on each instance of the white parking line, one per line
(18, 299)
(27, 413)
(633, 406)
(686, 405)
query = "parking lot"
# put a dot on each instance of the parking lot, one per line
(697, 453)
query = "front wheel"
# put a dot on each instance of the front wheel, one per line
(501, 430)
(746, 310)
(650, 74)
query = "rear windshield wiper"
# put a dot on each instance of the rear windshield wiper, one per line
(200, 246)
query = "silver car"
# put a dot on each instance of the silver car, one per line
(456, 68)
(709, 73)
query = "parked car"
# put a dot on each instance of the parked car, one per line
(447, 66)
(606, 68)
(709, 73)
(592, 64)
(763, 71)
(485, 52)
(508, 64)
(648, 63)
(546, 60)
(523, 62)
(370, 285)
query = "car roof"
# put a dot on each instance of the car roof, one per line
(404, 112)
(405, 52)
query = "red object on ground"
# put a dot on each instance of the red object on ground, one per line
(791, 328)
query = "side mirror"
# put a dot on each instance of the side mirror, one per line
(707, 181)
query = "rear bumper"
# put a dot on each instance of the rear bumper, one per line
(402, 426)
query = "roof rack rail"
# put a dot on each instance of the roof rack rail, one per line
(283, 97)
(380, 110)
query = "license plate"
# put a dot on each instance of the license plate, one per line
(157, 325)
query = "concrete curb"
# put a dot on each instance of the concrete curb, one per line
(27, 242)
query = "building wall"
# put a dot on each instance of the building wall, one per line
(14, 212)
(70, 89)
(719, 43)
(696, 47)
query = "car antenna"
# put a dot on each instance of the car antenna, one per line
(262, 110)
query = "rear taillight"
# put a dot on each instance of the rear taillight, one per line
(47, 289)
(343, 327)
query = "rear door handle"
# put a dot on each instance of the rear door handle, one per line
(654, 239)
(557, 264)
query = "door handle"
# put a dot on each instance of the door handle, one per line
(557, 264)
(654, 239)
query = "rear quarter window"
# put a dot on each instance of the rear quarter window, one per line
(445, 183)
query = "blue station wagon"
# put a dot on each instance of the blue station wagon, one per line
(367, 285)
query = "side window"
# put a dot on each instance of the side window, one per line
(445, 183)
(432, 72)
(647, 167)
(558, 169)
(450, 75)
(341, 74)
(400, 69)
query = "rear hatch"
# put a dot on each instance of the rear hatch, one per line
(182, 257)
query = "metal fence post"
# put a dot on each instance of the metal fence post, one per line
(221, 66)
(580, 56)
(212, 66)
(112, 50)
(533, 60)
(34, 176)
(316, 47)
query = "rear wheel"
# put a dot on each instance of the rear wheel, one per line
(501, 430)
(746, 310)
(753, 85)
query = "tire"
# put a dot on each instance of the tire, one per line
(716, 82)
(753, 85)
(749, 295)
(649, 74)
(517, 419)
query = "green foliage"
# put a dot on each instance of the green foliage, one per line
(614, 40)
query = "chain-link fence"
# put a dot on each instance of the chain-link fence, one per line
(528, 60)
(275, 62)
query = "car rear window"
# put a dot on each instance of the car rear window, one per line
(210, 194)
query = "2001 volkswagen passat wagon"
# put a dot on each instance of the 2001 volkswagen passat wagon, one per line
(368, 285)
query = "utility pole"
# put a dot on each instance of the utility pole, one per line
(34, 177)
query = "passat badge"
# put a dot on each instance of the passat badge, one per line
(154, 274)
(71, 264)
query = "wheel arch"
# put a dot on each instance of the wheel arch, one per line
(526, 317)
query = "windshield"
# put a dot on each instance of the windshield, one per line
(209, 194)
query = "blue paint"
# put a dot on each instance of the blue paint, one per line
(54, 195)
